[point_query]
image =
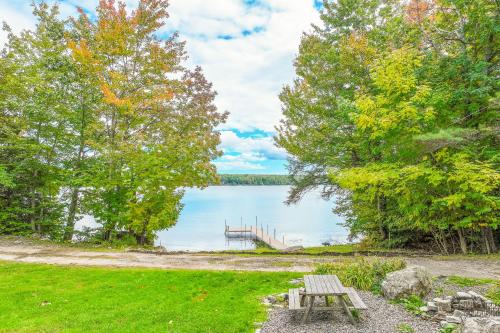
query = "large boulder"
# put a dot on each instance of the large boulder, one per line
(481, 325)
(414, 280)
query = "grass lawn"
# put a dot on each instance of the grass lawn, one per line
(46, 298)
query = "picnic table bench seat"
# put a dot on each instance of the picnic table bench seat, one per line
(294, 299)
(356, 301)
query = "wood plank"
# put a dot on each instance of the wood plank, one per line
(293, 299)
(356, 301)
(326, 285)
(340, 287)
(332, 287)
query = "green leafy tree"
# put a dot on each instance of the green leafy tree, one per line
(393, 113)
(159, 119)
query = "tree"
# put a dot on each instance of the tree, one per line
(158, 117)
(393, 113)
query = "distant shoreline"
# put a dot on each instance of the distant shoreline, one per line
(253, 179)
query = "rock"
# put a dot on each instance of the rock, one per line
(283, 296)
(258, 330)
(459, 314)
(443, 305)
(414, 280)
(463, 295)
(432, 306)
(481, 325)
(466, 304)
(453, 319)
(271, 299)
(424, 309)
(296, 281)
(294, 248)
(266, 302)
(476, 295)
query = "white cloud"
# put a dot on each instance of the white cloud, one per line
(248, 70)
(260, 146)
(225, 166)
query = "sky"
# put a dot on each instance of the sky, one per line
(246, 49)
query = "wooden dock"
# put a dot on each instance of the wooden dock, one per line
(253, 232)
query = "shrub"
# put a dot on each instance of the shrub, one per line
(405, 328)
(361, 273)
(413, 303)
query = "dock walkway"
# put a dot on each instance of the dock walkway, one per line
(255, 233)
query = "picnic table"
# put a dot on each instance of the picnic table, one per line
(324, 286)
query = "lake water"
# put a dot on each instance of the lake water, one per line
(201, 223)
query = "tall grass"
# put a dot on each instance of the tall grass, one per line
(361, 273)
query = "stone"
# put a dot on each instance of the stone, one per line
(453, 319)
(258, 330)
(459, 314)
(414, 280)
(297, 248)
(481, 325)
(466, 304)
(266, 302)
(424, 309)
(271, 299)
(296, 281)
(432, 306)
(443, 305)
(476, 295)
(463, 295)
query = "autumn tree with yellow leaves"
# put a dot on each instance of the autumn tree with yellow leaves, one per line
(394, 115)
(149, 133)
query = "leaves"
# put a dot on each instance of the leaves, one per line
(395, 110)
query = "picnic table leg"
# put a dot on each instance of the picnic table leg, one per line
(346, 309)
(308, 309)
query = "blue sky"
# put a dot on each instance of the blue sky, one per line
(245, 47)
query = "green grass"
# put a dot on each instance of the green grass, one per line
(493, 292)
(469, 282)
(361, 273)
(412, 303)
(46, 298)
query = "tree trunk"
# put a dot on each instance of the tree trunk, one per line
(70, 224)
(461, 239)
(381, 208)
(486, 241)
(491, 239)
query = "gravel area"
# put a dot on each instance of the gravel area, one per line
(381, 317)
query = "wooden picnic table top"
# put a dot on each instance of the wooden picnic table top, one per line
(323, 285)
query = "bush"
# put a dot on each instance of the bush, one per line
(362, 274)
(413, 303)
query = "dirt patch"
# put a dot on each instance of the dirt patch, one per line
(60, 255)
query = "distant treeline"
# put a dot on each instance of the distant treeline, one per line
(226, 179)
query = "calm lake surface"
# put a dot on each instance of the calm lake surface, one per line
(201, 224)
